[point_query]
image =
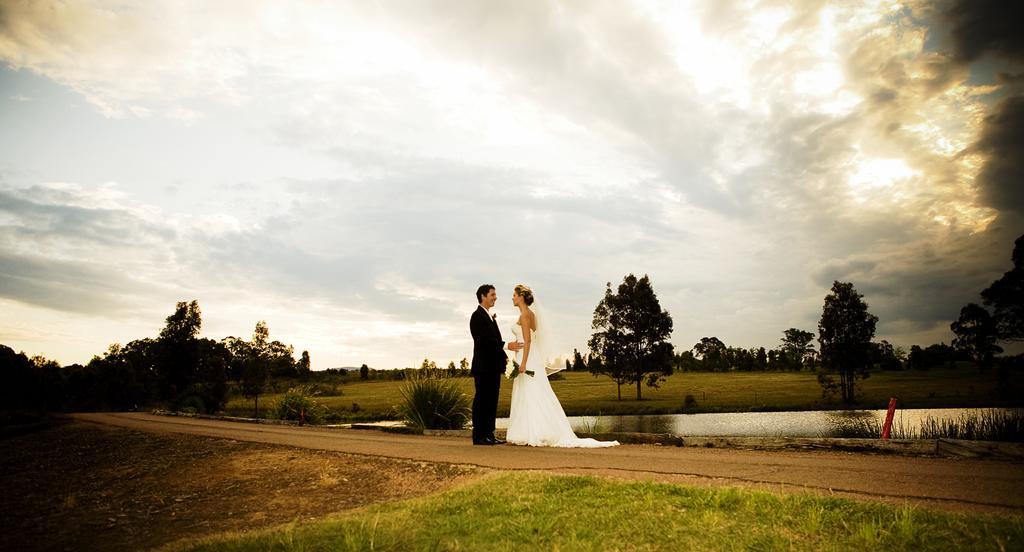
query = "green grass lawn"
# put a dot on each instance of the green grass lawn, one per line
(549, 512)
(582, 393)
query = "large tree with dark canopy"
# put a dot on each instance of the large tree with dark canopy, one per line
(190, 372)
(632, 333)
(177, 362)
(845, 332)
(1006, 297)
(976, 334)
(16, 380)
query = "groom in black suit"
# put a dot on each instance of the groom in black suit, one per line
(488, 366)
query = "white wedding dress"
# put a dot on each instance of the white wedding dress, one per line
(536, 417)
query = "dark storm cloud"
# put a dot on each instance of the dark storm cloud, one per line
(980, 26)
(977, 28)
(924, 284)
(1001, 181)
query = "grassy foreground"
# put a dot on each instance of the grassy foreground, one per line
(583, 394)
(537, 511)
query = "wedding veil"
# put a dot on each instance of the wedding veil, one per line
(541, 343)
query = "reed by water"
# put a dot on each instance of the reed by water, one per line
(983, 425)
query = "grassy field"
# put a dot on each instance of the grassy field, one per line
(536, 511)
(582, 393)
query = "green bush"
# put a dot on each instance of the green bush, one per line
(299, 400)
(433, 403)
(192, 404)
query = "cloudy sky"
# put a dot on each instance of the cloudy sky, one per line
(351, 172)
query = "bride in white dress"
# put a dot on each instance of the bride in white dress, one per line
(536, 417)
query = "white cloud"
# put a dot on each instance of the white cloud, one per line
(742, 154)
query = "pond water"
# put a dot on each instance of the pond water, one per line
(818, 423)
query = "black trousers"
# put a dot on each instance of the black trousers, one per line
(485, 403)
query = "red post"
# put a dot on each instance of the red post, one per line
(888, 418)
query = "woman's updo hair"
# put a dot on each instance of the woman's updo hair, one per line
(526, 293)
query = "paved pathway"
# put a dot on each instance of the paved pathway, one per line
(950, 483)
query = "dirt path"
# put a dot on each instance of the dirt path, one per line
(959, 484)
(83, 486)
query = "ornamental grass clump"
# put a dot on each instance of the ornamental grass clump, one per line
(986, 425)
(870, 428)
(298, 403)
(434, 403)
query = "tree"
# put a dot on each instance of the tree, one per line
(303, 366)
(1006, 297)
(211, 385)
(886, 356)
(578, 364)
(597, 367)
(184, 324)
(177, 359)
(49, 384)
(282, 360)
(428, 368)
(976, 334)
(684, 362)
(364, 372)
(253, 364)
(712, 353)
(17, 380)
(845, 332)
(915, 360)
(796, 344)
(761, 361)
(632, 333)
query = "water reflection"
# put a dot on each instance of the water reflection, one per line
(819, 423)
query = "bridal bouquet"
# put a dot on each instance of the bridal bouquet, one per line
(512, 369)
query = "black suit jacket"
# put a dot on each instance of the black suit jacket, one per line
(488, 348)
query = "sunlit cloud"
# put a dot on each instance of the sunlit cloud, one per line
(351, 172)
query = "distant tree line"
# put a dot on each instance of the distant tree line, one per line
(428, 369)
(177, 369)
(631, 331)
(630, 345)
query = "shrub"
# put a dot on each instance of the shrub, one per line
(299, 400)
(433, 403)
(690, 401)
(192, 404)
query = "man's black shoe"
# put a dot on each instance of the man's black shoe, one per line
(487, 442)
(497, 441)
